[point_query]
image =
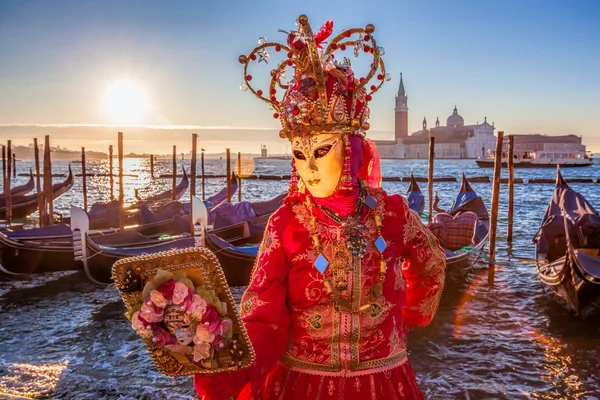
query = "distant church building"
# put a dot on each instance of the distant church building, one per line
(454, 140)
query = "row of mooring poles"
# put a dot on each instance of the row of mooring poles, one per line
(6, 186)
(45, 206)
(494, 210)
(8, 199)
(48, 190)
(496, 196)
(493, 223)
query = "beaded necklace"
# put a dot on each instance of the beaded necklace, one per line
(348, 257)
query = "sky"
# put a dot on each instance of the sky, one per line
(529, 66)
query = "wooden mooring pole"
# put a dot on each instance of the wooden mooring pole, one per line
(511, 187)
(38, 186)
(14, 168)
(193, 165)
(174, 172)
(494, 211)
(228, 174)
(83, 178)
(121, 184)
(48, 195)
(203, 177)
(430, 175)
(193, 180)
(110, 172)
(151, 165)
(4, 177)
(239, 177)
(4, 166)
(8, 198)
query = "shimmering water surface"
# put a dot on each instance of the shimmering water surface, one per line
(63, 337)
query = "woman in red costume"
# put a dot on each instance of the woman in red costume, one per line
(343, 268)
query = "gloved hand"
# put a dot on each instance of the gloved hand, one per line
(215, 387)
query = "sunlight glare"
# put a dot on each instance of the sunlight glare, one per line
(126, 102)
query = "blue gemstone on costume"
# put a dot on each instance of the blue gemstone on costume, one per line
(370, 202)
(321, 263)
(380, 244)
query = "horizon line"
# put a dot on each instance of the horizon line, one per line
(149, 126)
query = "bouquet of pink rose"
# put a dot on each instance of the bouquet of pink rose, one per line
(183, 318)
(182, 308)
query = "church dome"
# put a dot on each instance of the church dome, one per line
(455, 120)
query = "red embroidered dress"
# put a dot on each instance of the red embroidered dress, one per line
(306, 346)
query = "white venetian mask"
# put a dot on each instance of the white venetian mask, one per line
(319, 161)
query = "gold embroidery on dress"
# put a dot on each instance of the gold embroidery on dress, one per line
(250, 302)
(394, 342)
(314, 289)
(399, 282)
(357, 385)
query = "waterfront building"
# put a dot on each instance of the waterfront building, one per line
(453, 140)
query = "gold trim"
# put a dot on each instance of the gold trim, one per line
(366, 367)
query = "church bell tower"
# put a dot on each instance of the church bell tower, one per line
(401, 113)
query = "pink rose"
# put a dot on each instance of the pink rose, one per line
(147, 325)
(180, 293)
(166, 288)
(161, 337)
(188, 300)
(151, 313)
(203, 334)
(211, 316)
(219, 343)
(224, 327)
(197, 306)
(136, 323)
(158, 299)
(201, 352)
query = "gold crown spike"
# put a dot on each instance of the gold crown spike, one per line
(323, 95)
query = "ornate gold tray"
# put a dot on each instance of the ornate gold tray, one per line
(202, 268)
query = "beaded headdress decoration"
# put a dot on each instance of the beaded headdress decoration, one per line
(323, 96)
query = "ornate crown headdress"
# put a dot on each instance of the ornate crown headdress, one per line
(323, 96)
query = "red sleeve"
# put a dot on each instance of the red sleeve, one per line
(424, 270)
(264, 312)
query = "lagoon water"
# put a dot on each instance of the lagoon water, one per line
(63, 337)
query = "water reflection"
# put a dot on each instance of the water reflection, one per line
(28, 380)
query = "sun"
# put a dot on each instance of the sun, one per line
(126, 102)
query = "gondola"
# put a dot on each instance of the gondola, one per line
(567, 248)
(460, 260)
(100, 252)
(236, 245)
(22, 189)
(50, 248)
(416, 200)
(25, 205)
